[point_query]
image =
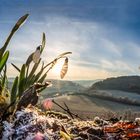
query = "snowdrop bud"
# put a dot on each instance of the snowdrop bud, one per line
(47, 104)
(36, 55)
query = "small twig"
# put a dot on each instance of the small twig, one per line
(67, 110)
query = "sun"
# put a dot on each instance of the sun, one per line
(57, 68)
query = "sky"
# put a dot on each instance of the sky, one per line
(103, 35)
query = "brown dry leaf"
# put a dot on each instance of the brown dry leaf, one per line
(64, 68)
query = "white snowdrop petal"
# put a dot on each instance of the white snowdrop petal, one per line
(36, 56)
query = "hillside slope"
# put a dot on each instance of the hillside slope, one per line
(86, 83)
(124, 83)
(91, 106)
(63, 86)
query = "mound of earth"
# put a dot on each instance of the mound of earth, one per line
(32, 124)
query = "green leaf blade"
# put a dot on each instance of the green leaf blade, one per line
(15, 28)
(43, 42)
(22, 80)
(41, 80)
(33, 69)
(4, 60)
(14, 90)
(29, 59)
(15, 67)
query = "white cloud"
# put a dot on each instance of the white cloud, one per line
(117, 66)
(94, 53)
(107, 64)
(111, 47)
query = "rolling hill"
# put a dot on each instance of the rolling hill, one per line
(86, 83)
(111, 95)
(123, 83)
(61, 86)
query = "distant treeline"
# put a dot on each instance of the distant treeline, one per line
(124, 83)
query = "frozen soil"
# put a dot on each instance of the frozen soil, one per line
(32, 124)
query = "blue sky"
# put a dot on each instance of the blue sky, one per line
(102, 34)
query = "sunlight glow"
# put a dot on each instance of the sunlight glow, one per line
(57, 68)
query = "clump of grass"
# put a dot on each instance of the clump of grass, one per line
(29, 82)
